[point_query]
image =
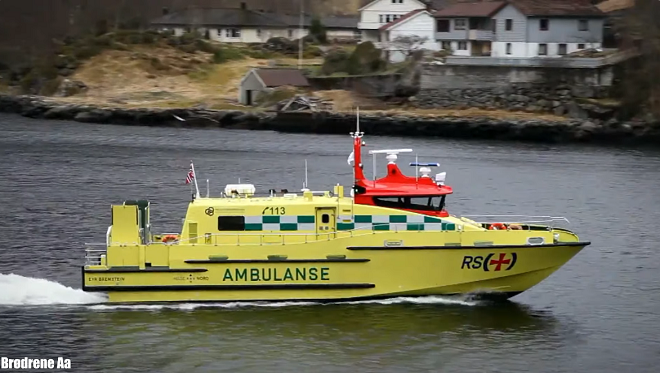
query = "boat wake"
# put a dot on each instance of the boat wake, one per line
(17, 290)
(431, 300)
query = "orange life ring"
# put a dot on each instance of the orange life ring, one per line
(168, 238)
(497, 226)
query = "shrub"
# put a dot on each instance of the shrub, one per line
(312, 52)
(226, 54)
(205, 46)
(365, 59)
(317, 30)
(335, 61)
(157, 64)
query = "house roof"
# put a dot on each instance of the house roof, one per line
(557, 8)
(608, 6)
(421, 2)
(217, 16)
(334, 21)
(472, 9)
(245, 17)
(530, 8)
(401, 19)
(280, 77)
(440, 4)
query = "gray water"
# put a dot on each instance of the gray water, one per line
(599, 313)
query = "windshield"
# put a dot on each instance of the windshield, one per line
(425, 203)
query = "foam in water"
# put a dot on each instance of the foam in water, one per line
(192, 306)
(17, 290)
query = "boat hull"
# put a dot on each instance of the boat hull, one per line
(362, 272)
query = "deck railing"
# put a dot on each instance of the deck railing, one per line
(515, 219)
(95, 253)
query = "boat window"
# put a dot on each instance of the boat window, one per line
(424, 203)
(231, 223)
(325, 218)
(396, 202)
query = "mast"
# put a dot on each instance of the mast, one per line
(357, 150)
(192, 167)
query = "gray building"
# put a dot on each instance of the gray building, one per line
(519, 28)
(261, 80)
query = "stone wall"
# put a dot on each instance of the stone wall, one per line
(560, 92)
(559, 100)
(368, 85)
(473, 76)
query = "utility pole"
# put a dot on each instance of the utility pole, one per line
(300, 37)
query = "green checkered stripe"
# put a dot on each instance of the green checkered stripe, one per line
(280, 223)
(394, 222)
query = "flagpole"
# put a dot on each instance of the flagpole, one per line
(192, 166)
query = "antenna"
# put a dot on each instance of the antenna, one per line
(416, 169)
(305, 186)
(374, 158)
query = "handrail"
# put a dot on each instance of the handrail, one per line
(535, 218)
(108, 236)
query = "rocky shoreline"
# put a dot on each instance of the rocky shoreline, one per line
(536, 130)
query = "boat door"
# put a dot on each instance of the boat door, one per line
(325, 222)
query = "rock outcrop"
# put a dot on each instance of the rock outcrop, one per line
(536, 130)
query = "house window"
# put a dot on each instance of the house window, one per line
(543, 24)
(508, 48)
(443, 25)
(493, 22)
(259, 32)
(231, 223)
(446, 45)
(561, 50)
(233, 33)
(462, 46)
(290, 33)
(381, 18)
(459, 24)
(580, 46)
(508, 24)
(543, 49)
(583, 25)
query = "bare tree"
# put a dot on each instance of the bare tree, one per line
(408, 44)
(639, 29)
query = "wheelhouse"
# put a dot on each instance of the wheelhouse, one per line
(420, 194)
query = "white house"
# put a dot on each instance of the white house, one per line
(418, 23)
(252, 26)
(519, 28)
(381, 12)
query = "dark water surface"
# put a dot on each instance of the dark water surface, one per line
(599, 313)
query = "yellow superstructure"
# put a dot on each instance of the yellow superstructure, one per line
(315, 246)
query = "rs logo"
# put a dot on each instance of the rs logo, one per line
(492, 261)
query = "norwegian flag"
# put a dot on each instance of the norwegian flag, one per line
(191, 175)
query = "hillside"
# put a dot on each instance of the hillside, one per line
(132, 78)
(19, 38)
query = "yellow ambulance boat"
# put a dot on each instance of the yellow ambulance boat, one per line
(389, 237)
